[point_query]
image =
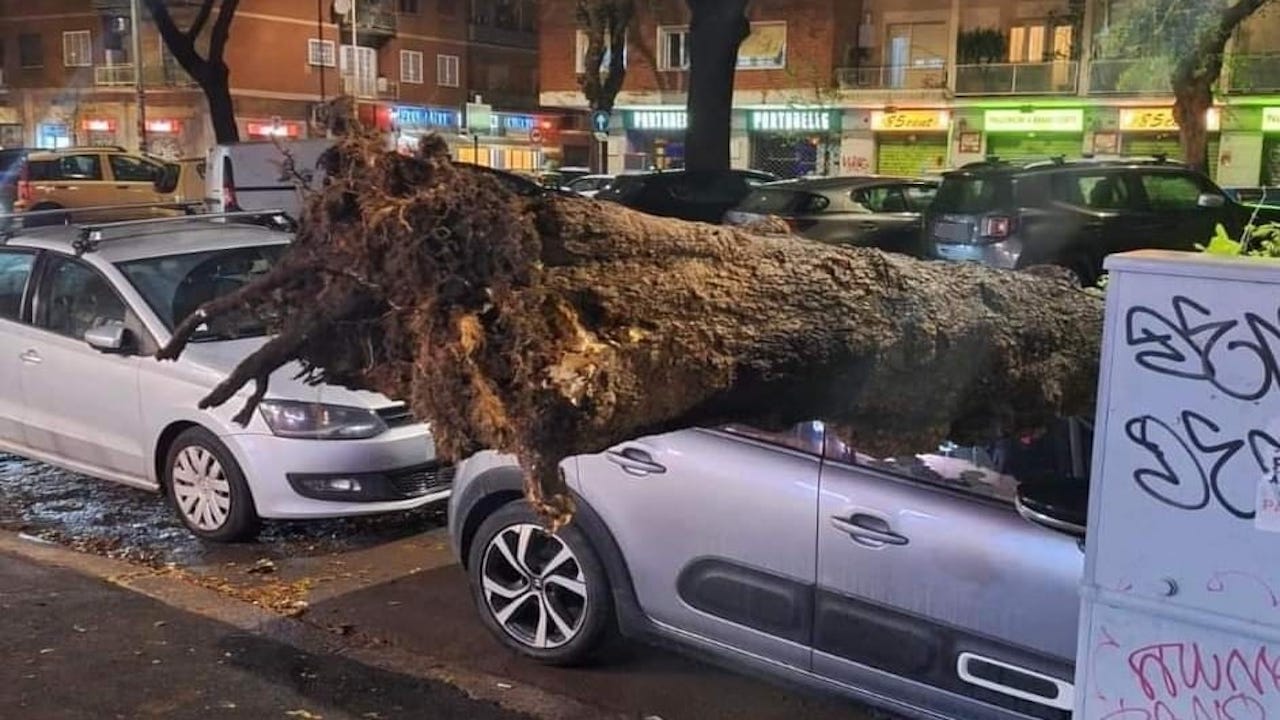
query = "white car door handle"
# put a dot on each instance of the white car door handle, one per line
(31, 357)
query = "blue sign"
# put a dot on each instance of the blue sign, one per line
(411, 116)
(600, 121)
(518, 123)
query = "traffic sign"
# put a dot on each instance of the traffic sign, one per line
(535, 135)
(600, 121)
(601, 136)
(479, 118)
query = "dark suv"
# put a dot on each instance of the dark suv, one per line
(684, 194)
(1074, 213)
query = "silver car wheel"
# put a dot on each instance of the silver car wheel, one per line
(201, 488)
(533, 586)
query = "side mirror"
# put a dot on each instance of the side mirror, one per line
(108, 338)
(1211, 200)
(1060, 504)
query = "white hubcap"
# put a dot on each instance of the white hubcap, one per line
(534, 587)
(200, 488)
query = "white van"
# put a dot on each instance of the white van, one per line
(262, 175)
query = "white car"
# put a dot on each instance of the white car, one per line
(82, 312)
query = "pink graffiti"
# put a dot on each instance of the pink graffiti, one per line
(1107, 642)
(1236, 707)
(1184, 681)
(1217, 583)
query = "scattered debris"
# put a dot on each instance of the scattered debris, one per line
(304, 715)
(263, 566)
(505, 686)
(45, 651)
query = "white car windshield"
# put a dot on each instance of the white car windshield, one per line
(174, 286)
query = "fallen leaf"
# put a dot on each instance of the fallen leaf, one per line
(304, 715)
(45, 651)
(262, 567)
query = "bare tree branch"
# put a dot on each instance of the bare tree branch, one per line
(222, 30)
(181, 46)
(202, 17)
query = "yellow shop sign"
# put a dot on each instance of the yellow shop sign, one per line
(909, 120)
(1160, 120)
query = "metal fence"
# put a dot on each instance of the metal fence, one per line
(1130, 75)
(1058, 77)
(892, 77)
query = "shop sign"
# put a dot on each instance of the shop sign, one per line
(514, 123)
(1043, 120)
(479, 118)
(163, 126)
(415, 116)
(910, 120)
(1161, 120)
(274, 129)
(792, 121)
(1271, 119)
(99, 125)
(656, 120)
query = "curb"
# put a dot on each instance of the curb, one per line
(172, 589)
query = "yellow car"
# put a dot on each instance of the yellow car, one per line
(74, 178)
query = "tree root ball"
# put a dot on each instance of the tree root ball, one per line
(545, 325)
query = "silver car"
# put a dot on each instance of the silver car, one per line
(83, 310)
(915, 584)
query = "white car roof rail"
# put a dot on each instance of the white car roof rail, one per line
(92, 235)
(8, 226)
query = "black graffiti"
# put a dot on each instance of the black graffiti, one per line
(1188, 468)
(1194, 346)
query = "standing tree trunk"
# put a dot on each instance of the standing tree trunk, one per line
(210, 72)
(716, 30)
(605, 24)
(1194, 77)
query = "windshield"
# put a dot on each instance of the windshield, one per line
(174, 286)
(775, 201)
(971, 195)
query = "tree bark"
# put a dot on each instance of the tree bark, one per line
(605, 23)
(210, 73)
(547, 326)
(1194, 77)
(716, 30)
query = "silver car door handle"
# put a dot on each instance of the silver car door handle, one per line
(634, 461)
(31, 357)
(888, 537)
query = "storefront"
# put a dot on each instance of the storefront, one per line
(99, 132)
(515, 141)
(910, 142)
(274, 129)
(410, 123)
(795, 143)
(165, 138)
(1152, 132)
(1034, 134)
(655, 139)
(1271, 146)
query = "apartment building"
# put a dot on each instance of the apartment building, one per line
(916, 86)
(67, 76)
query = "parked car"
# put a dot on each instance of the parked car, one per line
(880, 212)
(1075, 213)
(78, 178)
(561, 177)
(262, 175)
(589, 185)
(915, 584)
(684, 194)
(79, 388)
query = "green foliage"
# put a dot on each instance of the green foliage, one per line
(1259, 241)
(981, 45)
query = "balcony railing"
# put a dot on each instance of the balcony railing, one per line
(1046, 78)
(1131, 76)
(123, 76)
(892, 77)
(1254, 73)
(367, 88)
(502, 36)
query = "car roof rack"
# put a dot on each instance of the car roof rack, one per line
(8, 227)
(91, 237)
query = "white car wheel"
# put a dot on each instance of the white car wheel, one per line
(200, 488)
(534, 586)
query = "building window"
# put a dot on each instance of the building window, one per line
(1040, 43)
(411, 67)
(30, 51)
(321, 53)
(77, 49)
(673, 44)
(447, 70)
(408, 7)
(580, 62)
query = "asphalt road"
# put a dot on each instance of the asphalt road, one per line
(76, 647)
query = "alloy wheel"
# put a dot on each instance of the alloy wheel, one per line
(534, 586)
(201, 488)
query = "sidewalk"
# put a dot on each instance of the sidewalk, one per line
(75, 647)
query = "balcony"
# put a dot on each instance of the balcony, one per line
(1046, 78)
(1131, 76)
(507, 37)
(367, 88)
(375, 22)
(1254, 73)
(107, 76)
(886, 83)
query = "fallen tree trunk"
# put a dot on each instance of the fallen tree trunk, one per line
(546, 326)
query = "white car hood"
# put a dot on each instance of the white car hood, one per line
(221, 357)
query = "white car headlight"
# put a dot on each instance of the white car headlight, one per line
(317, 421)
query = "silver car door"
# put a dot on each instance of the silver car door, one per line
(717, 530)
(931, 586)
(16, 266)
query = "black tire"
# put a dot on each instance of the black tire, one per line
(47, 220)
(594, 626)
(241, 520)
(1083, 269)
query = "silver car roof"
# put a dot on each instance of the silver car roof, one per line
(123, 245)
